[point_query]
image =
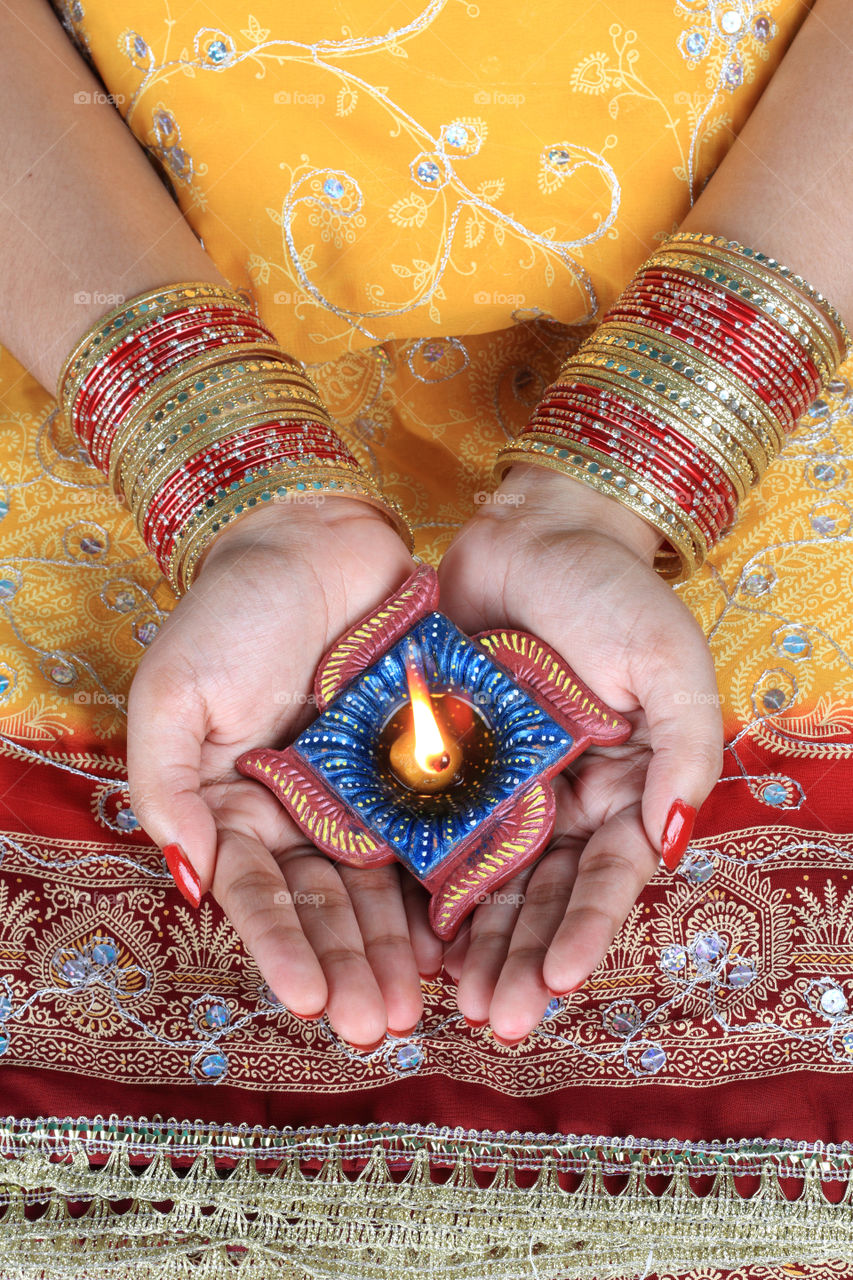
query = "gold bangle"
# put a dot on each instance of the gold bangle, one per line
(751, 435)
(124, 320)
(621, 484)
(772, 265)
(803, 329)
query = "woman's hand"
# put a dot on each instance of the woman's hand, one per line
(551, 556)
(232, 669)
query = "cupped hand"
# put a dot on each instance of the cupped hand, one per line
(551, 556)
(233, 669)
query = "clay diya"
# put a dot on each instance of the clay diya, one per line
(435, 749)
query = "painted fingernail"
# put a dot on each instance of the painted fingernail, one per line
(430, 977)
(366, 1048)
(559, 994)
(183, 873)
(476, 1025)
(400, 1034)
(677, 833)
(508, 1044)
(311, 1017)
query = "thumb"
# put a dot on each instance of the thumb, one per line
(165, 731)
(678, 692)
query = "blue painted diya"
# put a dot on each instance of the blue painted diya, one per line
(435, 749)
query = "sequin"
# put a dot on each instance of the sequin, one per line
(146, 631)
(653, 1059)
(553, 1008)
(733, 76)
(695, 44)
(623, 1024)
(673, 958)
(709, 947)
(756, 584)
(731, 21)
(428, 171)
(773, 699)
(763, 28)
(62, 673)
(74, 969)
(558, 155)
(123, 601)
(5, 1007)
(824, 472)
(4, 1041)
(334, 187)
(140, 47)
(7, 588)
(409, 1057)
(217, 51)
(774, 793)
(740, 975)
(4, 508)
(127, 820)
(456, 135)
(697, 868)
(822, 524)
(795, 645)
(104, 953)
(214, 1065)
(833, 1001)
(218, 1015)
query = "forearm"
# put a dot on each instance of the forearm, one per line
(785, 189)
(785, 186)
(84, 219)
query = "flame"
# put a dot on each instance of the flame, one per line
(430, 750)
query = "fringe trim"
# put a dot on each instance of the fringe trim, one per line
(199, 1200)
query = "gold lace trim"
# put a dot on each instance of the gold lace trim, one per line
(401, 1202)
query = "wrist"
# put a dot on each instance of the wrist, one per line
(561, 502)
(306, 517)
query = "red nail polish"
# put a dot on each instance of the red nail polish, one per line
(311, 1017)
(183, 873)
(431, 977)
(677, 833)
(367, 1048)
(509, 1044)
(403, 1033)
(476, 1025)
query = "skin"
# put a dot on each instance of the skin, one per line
(83, 215)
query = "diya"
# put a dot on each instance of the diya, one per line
(436, 749)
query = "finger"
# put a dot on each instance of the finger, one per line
(677, 687)
(614, 868)
(427, 948)
(455, 951)
(520, 995)
(377, 900)
(355, 1005)
(253, 893)
(491, 928)
(165, 731)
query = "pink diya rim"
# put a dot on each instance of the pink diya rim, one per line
(514, 832)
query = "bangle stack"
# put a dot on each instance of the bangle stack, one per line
(189, 405)
(684, 394)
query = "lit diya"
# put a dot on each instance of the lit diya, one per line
(436, 749)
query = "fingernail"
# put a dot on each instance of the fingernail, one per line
(403, 1033)
(366, 1048)
(183, 873)
(558, 995)
(311, 1017)
(508, 1044)
(430, 977)
(476, 1025)
(677, 833)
